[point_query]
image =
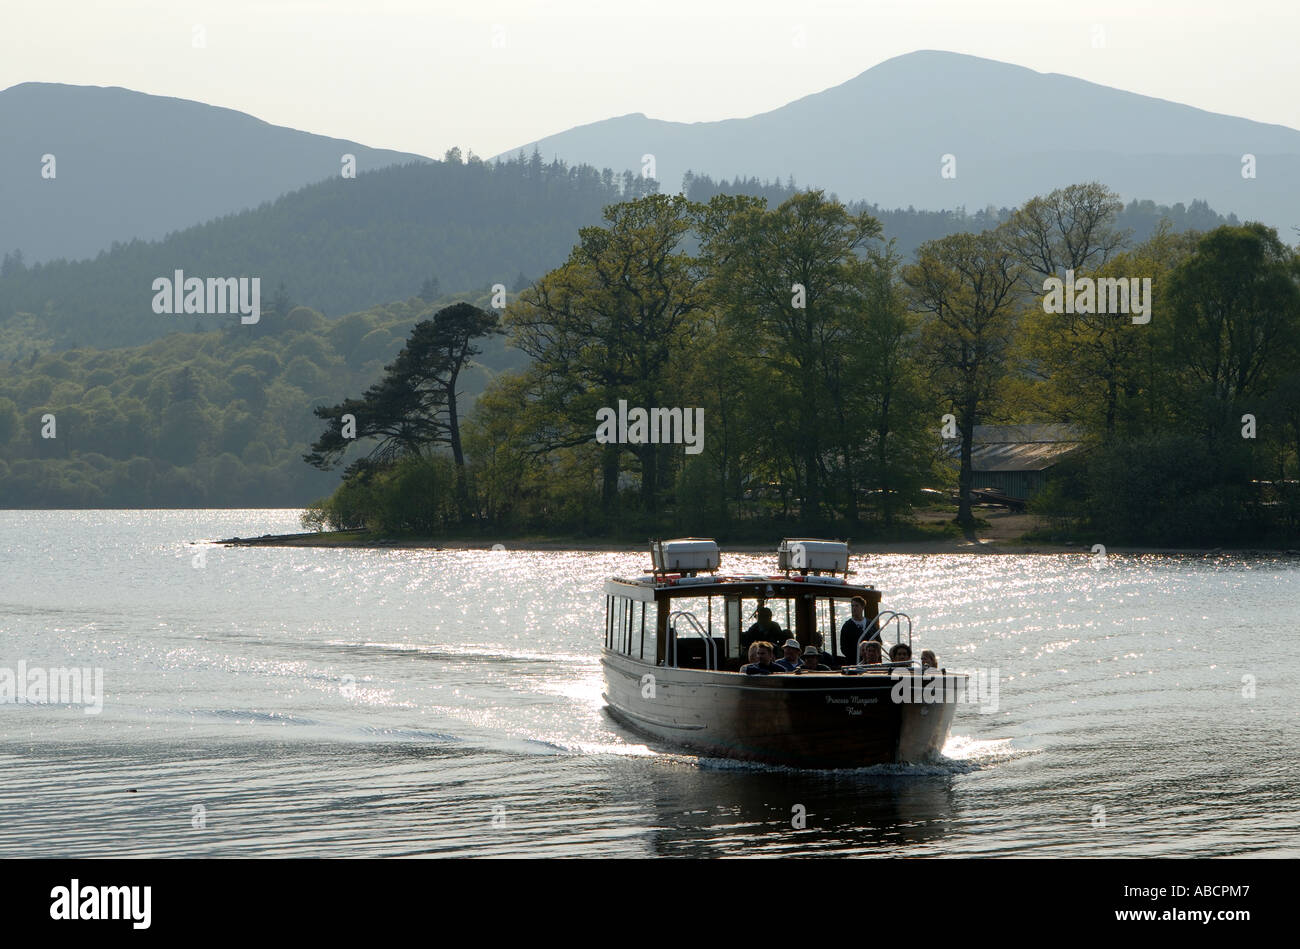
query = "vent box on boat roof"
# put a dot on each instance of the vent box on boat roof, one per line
(807, 554)
(684, 555)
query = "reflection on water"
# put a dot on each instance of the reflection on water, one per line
(709, 811)
(342, 702)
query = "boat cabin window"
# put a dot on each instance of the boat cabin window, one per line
(692, 622)
(827, 612)
(630, 627)
(820, 623)
(733, 625)
(709, 631)
(696, 632)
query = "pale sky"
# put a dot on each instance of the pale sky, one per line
(493, 74)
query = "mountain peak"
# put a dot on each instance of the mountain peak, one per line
(1013, 132)
(116, 178)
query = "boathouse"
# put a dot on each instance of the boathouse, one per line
(1016, 459)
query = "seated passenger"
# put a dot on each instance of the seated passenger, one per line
(869, 653)
(929, 660)
(900, 652)
(764, 629)
(790, 662)
(824, 659)
(812, 661)
(763, 664)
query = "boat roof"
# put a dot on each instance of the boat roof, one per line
(659, 587)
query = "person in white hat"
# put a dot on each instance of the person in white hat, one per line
(790, 660)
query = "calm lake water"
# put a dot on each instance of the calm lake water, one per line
(298, 702)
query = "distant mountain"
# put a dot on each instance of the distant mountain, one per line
(1014, 133)
(130, 165)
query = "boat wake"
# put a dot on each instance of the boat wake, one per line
(464, 653)
(603, 748)
(940, 767)
(984, 752)
(961, 755)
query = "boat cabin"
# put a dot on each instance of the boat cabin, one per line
(687, 614)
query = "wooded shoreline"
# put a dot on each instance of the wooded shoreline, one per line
(360, 539)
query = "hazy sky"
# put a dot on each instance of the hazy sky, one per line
(493, 74)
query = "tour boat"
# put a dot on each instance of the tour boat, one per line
(673, 654)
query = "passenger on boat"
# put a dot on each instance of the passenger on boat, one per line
(869, 654)
(764, 629)
(929, 660)
(900, 652)
(854, 627)
(812, 661)
(762, 664)
(824, 659)
(790, 661)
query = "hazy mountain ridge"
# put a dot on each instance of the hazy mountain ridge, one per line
(341, 245)
(1014, 133)
(129, 165)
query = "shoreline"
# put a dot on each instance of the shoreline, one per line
(362, 540)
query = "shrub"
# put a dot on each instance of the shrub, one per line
(315, 516)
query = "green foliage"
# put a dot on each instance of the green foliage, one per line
(965, 286)
(809, 291)
(612, 324)
(413, 495)
(315, 517)
(1234, 323)
(417, 495)
(910, 228)
(350, 505)
(217, 419)
(416, 405)
(1166, 403)
(819, 415)
(8, 420)
(1166, 489)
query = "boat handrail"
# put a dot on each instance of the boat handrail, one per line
(710, 654)
(895, 617)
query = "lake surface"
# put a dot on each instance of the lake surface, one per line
(299, 702)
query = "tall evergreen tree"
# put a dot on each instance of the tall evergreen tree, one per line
(415, 407)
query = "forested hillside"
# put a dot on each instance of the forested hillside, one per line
(338, 246)
(196, 419)
(821, 407)
(343, 245)
(910, 227)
